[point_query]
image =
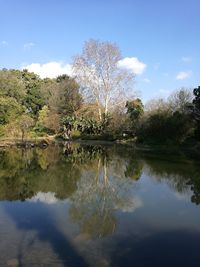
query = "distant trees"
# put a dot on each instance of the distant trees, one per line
(168, 120)
(180, 100)
(196, 109)
(98, 74)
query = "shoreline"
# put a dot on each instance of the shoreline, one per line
(42, 142)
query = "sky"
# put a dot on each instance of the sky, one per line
(159, 40)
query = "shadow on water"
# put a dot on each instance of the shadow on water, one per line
(171, 248)
(39, 219)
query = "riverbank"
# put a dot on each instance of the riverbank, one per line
(29, 142)
(189, 150)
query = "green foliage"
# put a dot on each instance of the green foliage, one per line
(10, 109)
(33, 100)
(42, 118)
(70, 100)
(196, 110)
(163, 127)
(25, 122)
(135, 109)
(85, 125)
(11, 85)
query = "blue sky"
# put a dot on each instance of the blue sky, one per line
(163, 35)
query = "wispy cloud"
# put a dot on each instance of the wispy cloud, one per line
(182, 75)
(4, 43)
(132, 64)
(186, 59)
(164, 92)
(28, 46)
(156, 66)
(49, 69)
(166, 74)
(146, 80)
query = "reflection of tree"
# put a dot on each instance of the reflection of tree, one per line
(26, 172)
(134, 169)
(195, 187)
(100, 192)
(180, 176)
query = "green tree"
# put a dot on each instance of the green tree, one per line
(70, 97)
(34, 100)
(10, 109)
(135, 109)
(11, 85)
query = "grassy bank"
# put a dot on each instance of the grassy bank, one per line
(191, 150)
(29, 142)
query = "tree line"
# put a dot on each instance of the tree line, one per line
(96, 102)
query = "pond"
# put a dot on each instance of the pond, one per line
(98, 205)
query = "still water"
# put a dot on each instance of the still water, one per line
(97, 205)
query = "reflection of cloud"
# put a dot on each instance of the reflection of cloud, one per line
(182, 196)
(48, 198)
(131, 205)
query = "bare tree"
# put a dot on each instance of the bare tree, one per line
(179, 100)
(100, 77)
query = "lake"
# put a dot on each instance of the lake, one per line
(98, 205)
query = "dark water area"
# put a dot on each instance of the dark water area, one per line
(98, 205)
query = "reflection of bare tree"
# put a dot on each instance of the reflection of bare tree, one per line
(99, 194)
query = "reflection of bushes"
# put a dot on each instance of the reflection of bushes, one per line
(26, 172)
(180, 176)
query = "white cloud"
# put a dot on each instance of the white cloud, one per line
(183, 75)
(28, 46)
(132, 64)
(4, 43)
(50, 69)
(186, 59)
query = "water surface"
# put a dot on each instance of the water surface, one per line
(97, 205)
